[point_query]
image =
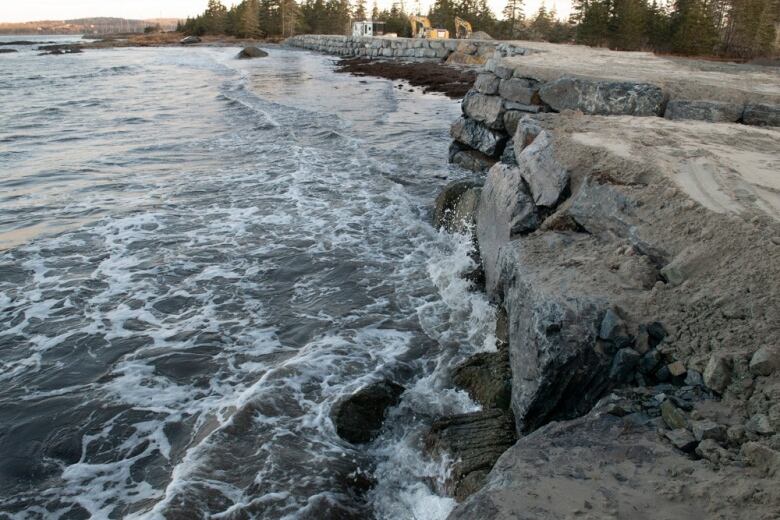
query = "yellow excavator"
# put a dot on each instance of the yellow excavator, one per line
(462, 28)
(421, 28)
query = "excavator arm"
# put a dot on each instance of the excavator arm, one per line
(420, 26)
(462, 28)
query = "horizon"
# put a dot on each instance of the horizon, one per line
(52, 10)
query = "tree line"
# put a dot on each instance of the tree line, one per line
(730, 28)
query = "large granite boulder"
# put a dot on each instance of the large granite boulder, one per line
(506, 211)
(712, 111)
(477, 136)
(520, 90)
(485, 109)
(547, 179)
(608, 98)
(487, 83)
(475, 441)
(359, 417)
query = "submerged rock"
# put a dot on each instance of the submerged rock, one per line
(7, 51)
(359, 417)
(251, 52)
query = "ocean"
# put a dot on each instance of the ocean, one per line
(199, 256)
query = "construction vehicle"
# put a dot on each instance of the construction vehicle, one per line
(462, 29)
(421, 28)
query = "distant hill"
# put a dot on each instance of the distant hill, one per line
(86, 26)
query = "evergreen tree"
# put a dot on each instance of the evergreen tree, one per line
(692, 28)
(628, 25)
(594, 18)
(513, 16)
(375, 11)
(360, 10)
(249, 19)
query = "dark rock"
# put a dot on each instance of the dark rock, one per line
(603, 97)
(765, 361)
(7, 51)
(59, 49)
(508, 157)
(624, 364)
(761, 115)
(511, 118)
(475, 441)
(682, 439)
(469, 159)
(694, 378)
(479, 137)
(707, 429)
(712, 111)
(649, 362)
(657, 333)
(358, 417)
(251, 52)
(612, 326)
(663, 375)
(189, 40)
(486, 378)
(485, 109)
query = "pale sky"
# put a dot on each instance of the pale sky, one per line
(31, 10)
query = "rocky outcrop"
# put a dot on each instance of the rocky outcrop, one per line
(358, 417)
(251, 52)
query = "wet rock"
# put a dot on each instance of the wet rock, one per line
(712, 111)
(624, 364)
(672, 416)
(189, 40)
(485, 109)
(476, 136)
(486, 378)
(682, 439)
(358, 417)
(708, 429)
(487, 83)
(520, 90)
(447, 201)
(251, 52)
(760, 425)
(546, 177)
(717, 374)
(603, 97)
(475, 441)
(60, 49)
(761, 115)
(765, 361)
(7, 51)
(506, 211)
(469, 159)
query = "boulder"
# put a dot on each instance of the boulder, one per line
(603, 97)
(359, 417)
(487, 83)
(477, 136)
(506, 211)
(485, 109)
(486, 378)
(527, 128)
(508, 157)
(761, 115)
(682, 439)
(511, 119)
(717, 374)
(189, 40)
(765, 361)
(624, 365)
(672, 416)
(251, 52)
(712, 111)
(546, 178)
(469, 159)
(520, 90)
(474, 441)
(760, 425)
(707, 429)
(456, 207)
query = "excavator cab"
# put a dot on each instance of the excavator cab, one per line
(462, 28)
(421, 28)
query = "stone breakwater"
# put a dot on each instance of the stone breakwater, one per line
(635, 277)
(504, 93)
(460, 51)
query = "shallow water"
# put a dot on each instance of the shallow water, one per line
(199, 257)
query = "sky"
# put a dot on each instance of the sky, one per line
(31, 10)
